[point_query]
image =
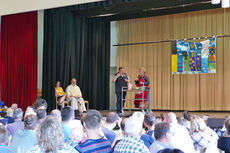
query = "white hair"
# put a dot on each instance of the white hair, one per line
(133, 126)
(139, 115)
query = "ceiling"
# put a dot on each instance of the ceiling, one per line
(127, 9)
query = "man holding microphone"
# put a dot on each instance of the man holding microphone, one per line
(121, 80)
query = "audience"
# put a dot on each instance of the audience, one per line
(163, 137)
(202, 135)
(131, 142)
(168, 150)
(149, 124)
(67, 115)
(41, 114)
(23, 140)
(185, 123)
(76, 122)
(57, 114)
(51, 138)
(95, 141)
(4, 140)
(181, 135)
(10, 111)
(18, 123)
(40, 104)
(112, 120)
(224, 141)
(76, 135)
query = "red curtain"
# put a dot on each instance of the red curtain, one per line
(18, 59)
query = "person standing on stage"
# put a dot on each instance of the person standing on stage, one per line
(141, 81)
(121, 80)
(75, 96)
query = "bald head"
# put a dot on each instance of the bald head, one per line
(170, 118)
(56, 113)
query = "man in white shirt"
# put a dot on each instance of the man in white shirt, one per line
(75, 96)
(181, 139)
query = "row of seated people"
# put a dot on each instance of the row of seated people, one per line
(70, 131)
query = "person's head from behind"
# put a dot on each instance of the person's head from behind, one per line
(14, 106)
(74, 81)
(149, 120)
(112, 119)
(50, 135)
(56, 113)
(170, 118)
(186, 115)
(168, 150)
(121, 70)
(17, 114)
(133, 126)
(185, 123)
(92, 120)
(67, 114)
(77, 115)
(30, 122)
(40, 104)
(198, 124)
(122, 125)
(41, 114)
(162, 133)
(139, 115)
(227, 124)
(4, 138)
(58, 84)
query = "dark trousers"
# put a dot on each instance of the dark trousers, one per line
(119, 98)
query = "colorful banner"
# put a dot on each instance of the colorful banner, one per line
(194, 58)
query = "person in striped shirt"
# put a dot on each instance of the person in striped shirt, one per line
(95, 142)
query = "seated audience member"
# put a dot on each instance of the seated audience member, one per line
(4, 140)
(185, 123)
(67, 114)
(149, 123)
(76, 135)
(30, 111)
(95, 141)
(59, 92)
(3, 122)
(181, 134)
(131, 142)
(187, 116)
(224, 141)
(168, 150)
(10, 111)
(25, 139)
(50, 138)
(40, 104)
(56, 113)
(120, 133)
(202, 136)
(76, 122)
(112, 120)
(41, 114)
(163, 137)
(75, 96)
(18, 123)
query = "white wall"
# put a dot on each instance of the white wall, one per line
(40, 46)
(19, 6)
(113, 62)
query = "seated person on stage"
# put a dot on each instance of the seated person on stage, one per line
(75, 96)
(59, 92)
(142, 80)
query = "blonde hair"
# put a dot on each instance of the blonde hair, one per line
(142, 68)
(198, 125)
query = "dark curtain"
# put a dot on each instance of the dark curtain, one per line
(76, 47)
(18, 59)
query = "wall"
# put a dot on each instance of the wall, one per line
(40, 46)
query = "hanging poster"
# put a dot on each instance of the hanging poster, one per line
(194, 58)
